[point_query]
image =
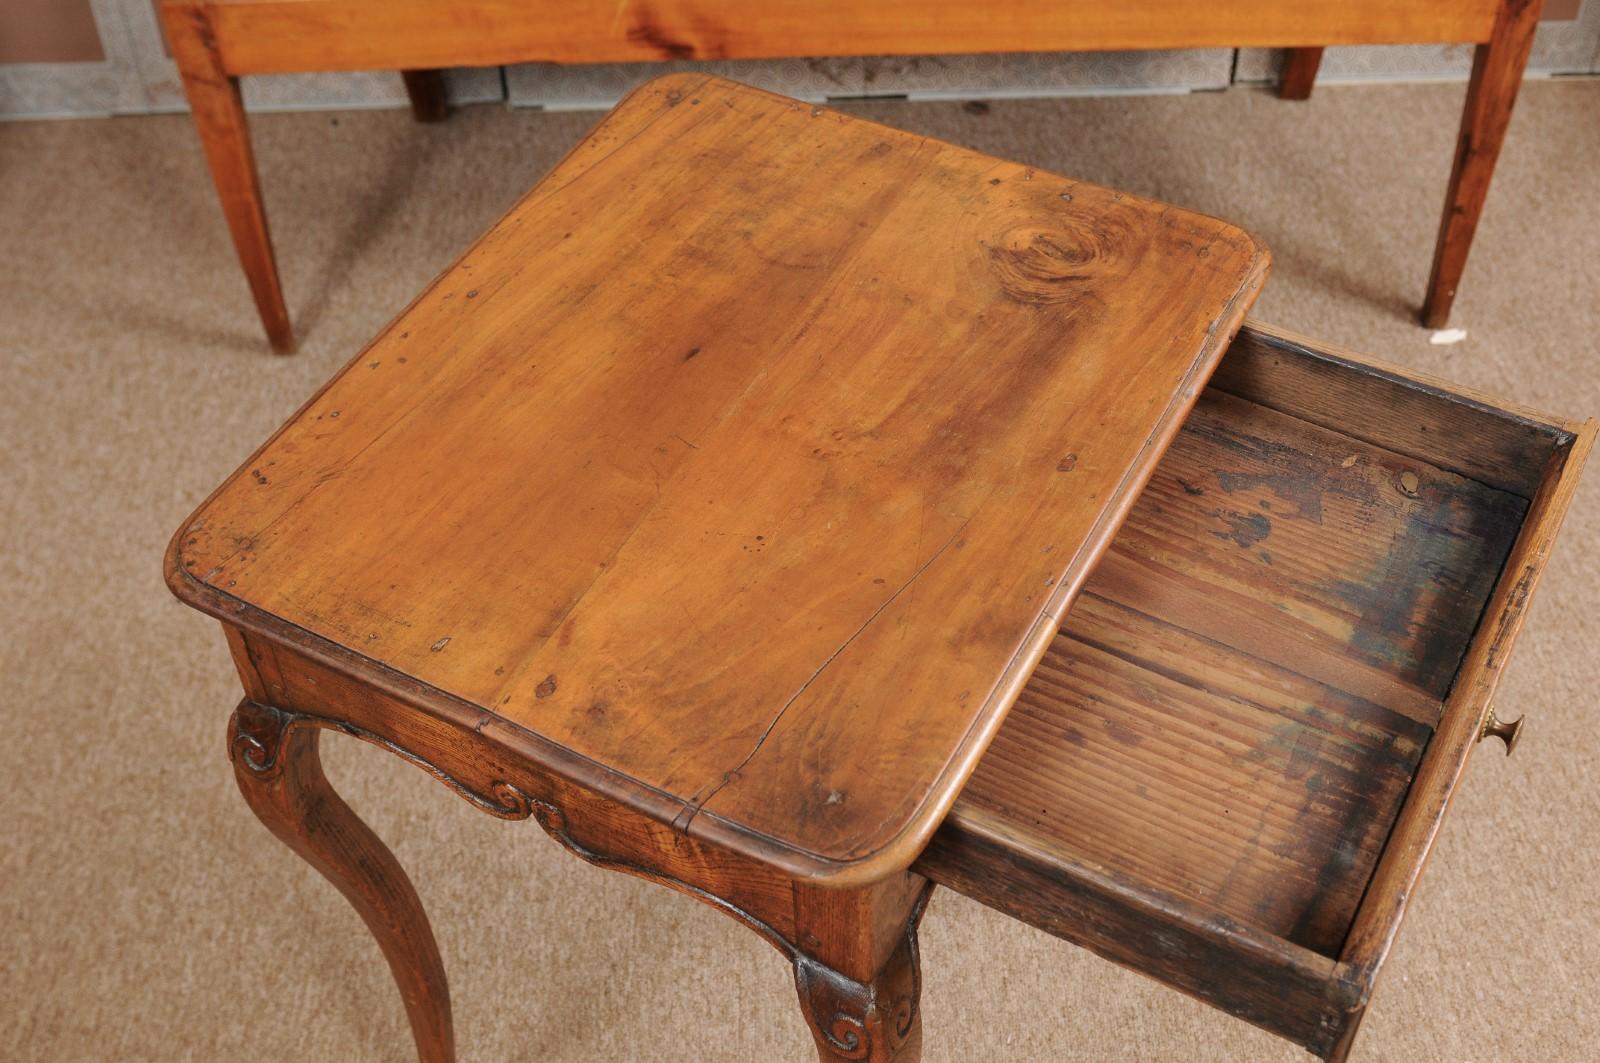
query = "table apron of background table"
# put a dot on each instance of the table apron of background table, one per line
(215, 42)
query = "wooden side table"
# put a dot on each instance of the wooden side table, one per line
(717, 508)
(215, 42)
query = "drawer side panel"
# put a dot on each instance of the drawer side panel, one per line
(1422, 814)
(1272, 984)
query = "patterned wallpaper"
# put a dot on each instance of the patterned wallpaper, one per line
(961, 76)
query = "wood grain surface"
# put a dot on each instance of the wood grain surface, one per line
(1362, 568)
(752, 460)
(266, 36)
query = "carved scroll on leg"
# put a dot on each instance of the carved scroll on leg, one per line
(878, 1020)
(279, 771)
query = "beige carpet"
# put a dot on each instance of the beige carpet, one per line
(145, 915)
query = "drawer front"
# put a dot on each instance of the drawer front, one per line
(1228, 769)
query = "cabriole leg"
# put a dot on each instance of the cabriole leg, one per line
(279, 771)
(860, 984)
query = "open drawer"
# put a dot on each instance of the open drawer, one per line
(1229, 767)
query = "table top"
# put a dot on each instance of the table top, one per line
(750, 462)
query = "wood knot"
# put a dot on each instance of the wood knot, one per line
(1055, 261)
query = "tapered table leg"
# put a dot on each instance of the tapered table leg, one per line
(1497, 69)
(1299, 73)
(429, 101)
(219, 117)
(279, 771)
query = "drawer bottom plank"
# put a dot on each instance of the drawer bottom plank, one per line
(1226, 780)
(1241, 695)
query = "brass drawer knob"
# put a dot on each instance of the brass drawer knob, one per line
(1506, 732)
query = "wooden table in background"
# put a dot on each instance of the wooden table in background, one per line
(217, 41)
(727, 528)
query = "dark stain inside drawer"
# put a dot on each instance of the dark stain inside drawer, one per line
(1241, 695)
